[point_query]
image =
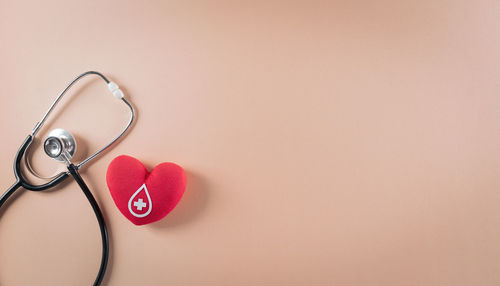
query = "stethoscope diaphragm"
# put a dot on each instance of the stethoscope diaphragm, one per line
(60, 145)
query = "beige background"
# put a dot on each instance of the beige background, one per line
(326, 143)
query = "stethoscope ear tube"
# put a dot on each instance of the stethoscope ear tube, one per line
(115, 91)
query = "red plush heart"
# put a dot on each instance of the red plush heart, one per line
(144, 197)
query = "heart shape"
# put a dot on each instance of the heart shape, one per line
(141, 196)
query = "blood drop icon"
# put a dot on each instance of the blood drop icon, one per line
(140, 204)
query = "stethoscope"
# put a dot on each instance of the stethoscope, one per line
(61, 146)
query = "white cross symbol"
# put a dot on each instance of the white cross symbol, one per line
(140, 204)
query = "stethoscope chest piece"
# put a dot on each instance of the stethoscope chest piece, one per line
(60, 145)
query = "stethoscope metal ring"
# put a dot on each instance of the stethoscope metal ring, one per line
(53, 147)
(60, 144)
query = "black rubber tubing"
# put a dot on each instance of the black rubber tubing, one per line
(100, 219)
